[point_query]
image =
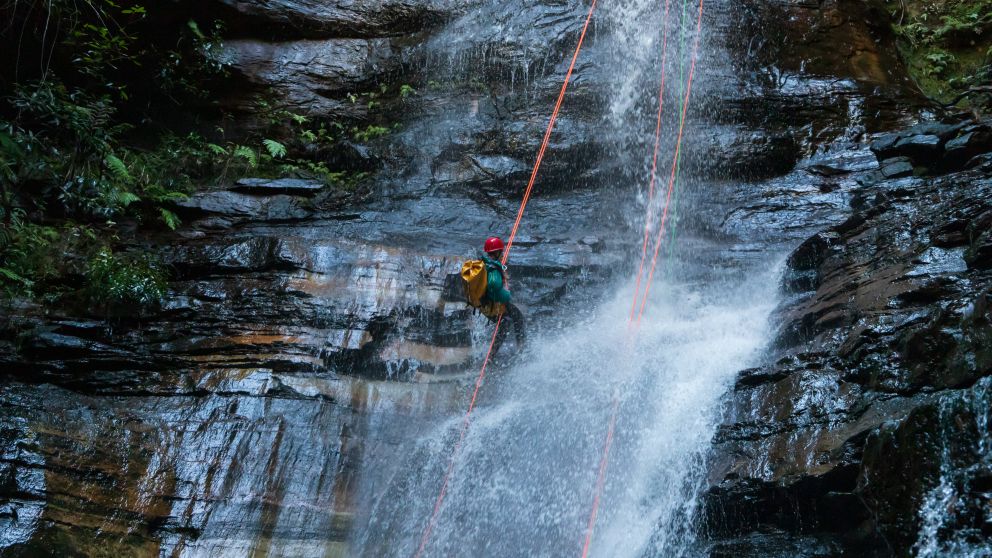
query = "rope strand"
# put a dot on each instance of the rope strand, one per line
(604, 460)
(547, 135)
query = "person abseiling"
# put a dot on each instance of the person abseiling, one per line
(486, 284)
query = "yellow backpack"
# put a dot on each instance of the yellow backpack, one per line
(475, 280)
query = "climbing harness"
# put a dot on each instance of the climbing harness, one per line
(425, 538)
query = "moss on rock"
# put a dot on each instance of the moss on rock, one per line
(946, 46)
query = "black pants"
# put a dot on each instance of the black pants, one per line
(511, 318)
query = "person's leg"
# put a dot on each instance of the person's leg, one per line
(517, 318)
(500, 334)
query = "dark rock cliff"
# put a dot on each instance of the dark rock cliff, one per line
(867, 434)
(870, 433)
(237, 416)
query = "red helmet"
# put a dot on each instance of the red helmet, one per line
(493, 244)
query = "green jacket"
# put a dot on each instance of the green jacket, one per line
(495, 292)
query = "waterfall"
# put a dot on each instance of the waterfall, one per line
(523, 481)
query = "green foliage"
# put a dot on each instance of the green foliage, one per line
(170, 219)
(63, 148)
(245, 153)
(79, 164)
(915, 33)
(118, 169)
(123, 280)
(23, 250)
(369, 133)
(33, 255)
(113, 48)
(939, 60)
(259, 154)
(63, 163)
(194, 61)
(947, 45)
(276, 150)
(34, 263)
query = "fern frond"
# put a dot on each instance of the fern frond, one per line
(121, 198)
(247, 154)
(117, 168)
(217, 149)
(170, 219)
(276, 149)
(171, 196)
(9, 274)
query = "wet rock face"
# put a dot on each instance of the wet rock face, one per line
(359, 19)
(307, 56)
(871, 421)
(807, 74)
(310, 76)
(935, 146)
(235, 418)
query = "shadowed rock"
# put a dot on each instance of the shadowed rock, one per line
(361, 18)
(889, 330)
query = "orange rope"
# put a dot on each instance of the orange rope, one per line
(604, 461)
(601, 477)
(461, 438)
(675, 158)
(547, 135)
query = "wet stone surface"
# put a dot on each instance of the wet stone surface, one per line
(888, 324)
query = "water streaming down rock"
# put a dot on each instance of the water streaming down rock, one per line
(524, 479)
(950, 516)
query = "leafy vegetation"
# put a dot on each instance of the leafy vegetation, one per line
(85, 158)
(122, 281)
(947, 46)
(39, 259)
(82, 78)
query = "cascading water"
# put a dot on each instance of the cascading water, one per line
(960, 459)
(523, 481)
